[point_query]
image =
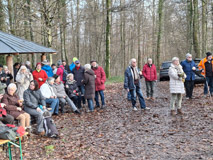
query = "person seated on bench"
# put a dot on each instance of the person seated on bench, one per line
(14, 106)
(72, 90)
(61, 94)
(34, 102)
(48, 92)
(4, 116)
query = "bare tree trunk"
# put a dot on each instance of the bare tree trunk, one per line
(160, 14)
(196, 30)
(2, 16)
(153, 32)
(108, 30)
(189, 25)
(78, 30)
(204, 25)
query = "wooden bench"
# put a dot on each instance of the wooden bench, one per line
(9, 143)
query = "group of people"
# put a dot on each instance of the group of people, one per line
(49, 88)
(182, 77)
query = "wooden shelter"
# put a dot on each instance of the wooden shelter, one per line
(13, 45)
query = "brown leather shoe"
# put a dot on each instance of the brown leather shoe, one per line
(42, 134)
(179, 111)
(173, 112)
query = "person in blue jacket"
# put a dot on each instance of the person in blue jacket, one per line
(72, 65)
(189, 68)
(132, 84)
(46, 67)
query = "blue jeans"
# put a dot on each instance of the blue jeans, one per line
(90, 104)
(137, 92)
(209, 81)
(129, 96)
(54, 104)
(82, 89)
(97, 99)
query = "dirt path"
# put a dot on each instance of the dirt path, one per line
(120, 133)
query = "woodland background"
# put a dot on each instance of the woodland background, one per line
(111, 31)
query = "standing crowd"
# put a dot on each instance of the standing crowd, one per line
(182, 78)
(53, 87)
(49, 88)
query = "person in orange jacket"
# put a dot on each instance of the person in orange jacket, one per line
(206, 66)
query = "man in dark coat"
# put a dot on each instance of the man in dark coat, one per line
(89, 82)
(78, 72)
(132, 83)
(189, 68)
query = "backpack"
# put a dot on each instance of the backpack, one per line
(65, 73)
(7, 133)
(49, 125)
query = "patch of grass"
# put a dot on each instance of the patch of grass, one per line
(116, 79)
(49, 149)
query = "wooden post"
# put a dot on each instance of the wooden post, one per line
(43, 57)
(9, 61)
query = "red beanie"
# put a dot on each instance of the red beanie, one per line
(38, 64)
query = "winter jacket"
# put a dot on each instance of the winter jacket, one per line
(89, 82)
(2, 88)
(48, 70)
(72, 66)
(176, 82)
(201, 66)
(129, 79)
(100, 78)
(187, 68)
(47, 90)
(12, 104)
(60, 72)
(67, 68)
(6, 75)
(72, 88)
(78, 75)
(149, 72)
(60, 91)
(33, 98)
(42, 74)
(23, 82)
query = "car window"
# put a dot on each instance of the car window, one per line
(166, 65)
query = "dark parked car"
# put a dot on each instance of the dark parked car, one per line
(198, 77)
(164, 69)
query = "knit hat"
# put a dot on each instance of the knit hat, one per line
(55, 76)
(74, 59)
(188, 55)
(208, 54)
(92, 61)
(38, 64)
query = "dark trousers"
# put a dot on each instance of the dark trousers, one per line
(189, 85)
(8, 119)
(82, 89)
(209, 81)
(77, 101)
(150, 88)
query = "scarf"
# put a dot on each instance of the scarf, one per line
(135, 73)
(77, 68)
(71, 82)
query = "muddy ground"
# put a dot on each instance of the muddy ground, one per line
(120, 133)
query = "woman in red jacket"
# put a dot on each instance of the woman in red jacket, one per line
(150, 75)
(39, 75)
(99, 83)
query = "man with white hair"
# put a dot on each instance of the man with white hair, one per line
(150, 75)
(133, 85)
(189, 68)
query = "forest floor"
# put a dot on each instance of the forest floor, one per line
(118, 132)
